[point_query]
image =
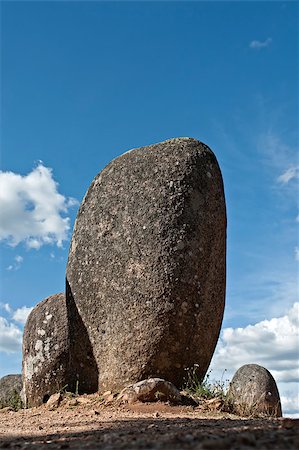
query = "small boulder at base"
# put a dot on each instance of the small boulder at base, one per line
(10, 391)
(150, 390)
(253, 392)
(146, 267)
(54, 401)
(50, 357)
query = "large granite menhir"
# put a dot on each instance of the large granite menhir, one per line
(146, 266)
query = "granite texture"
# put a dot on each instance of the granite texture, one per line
(150, 390)
(147, 263)
(253, 391)
(50, 359)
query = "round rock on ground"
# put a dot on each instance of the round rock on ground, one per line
(49, 360)
(146, 266)
(253, 391)
(150, 390)
(10, 390)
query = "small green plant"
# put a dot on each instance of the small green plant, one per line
(65, 393)
(15, 401)
(159, 395)
(63, 389)
(204, 388)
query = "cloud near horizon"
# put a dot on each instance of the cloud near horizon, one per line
(20, 314)
(270, 343)
(32, 209)
(10, 333)
(10, 336)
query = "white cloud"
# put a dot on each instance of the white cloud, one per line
(17, 264)
(282, 158)
(297, 253)
(260, 44)
(288, 175)
(270, 343)
(32, 209)
(275, 152)
(10, 333)
(10, 337)
(6, 307)
(290, 401)
(20, 315)
(292, 416)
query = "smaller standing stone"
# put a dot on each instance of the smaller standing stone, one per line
(10, 391)
(253, 392)
(57, 352)
(45, 350)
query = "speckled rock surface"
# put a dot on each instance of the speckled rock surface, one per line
(253, 391)
(146, 266)
(54, 401)
(48, 362)
(150, 390)
(10, 387)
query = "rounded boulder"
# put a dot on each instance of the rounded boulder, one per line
(50, 356)
(146, 266)
(253, 392)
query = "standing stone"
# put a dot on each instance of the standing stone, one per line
(10, 391)
(146, 266)
(49, 359)
(253, 391)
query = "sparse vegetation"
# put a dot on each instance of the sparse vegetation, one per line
(15, 401)
(206, 388)
(63, 389)
(159, 395)
(67, 394)
(258, 408)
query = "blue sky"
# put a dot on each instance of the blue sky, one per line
(83, 82)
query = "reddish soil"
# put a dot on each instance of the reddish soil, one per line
(86, 422)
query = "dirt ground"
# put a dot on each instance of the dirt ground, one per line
(87, 423)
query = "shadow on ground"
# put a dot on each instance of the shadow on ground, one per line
(160, 433)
